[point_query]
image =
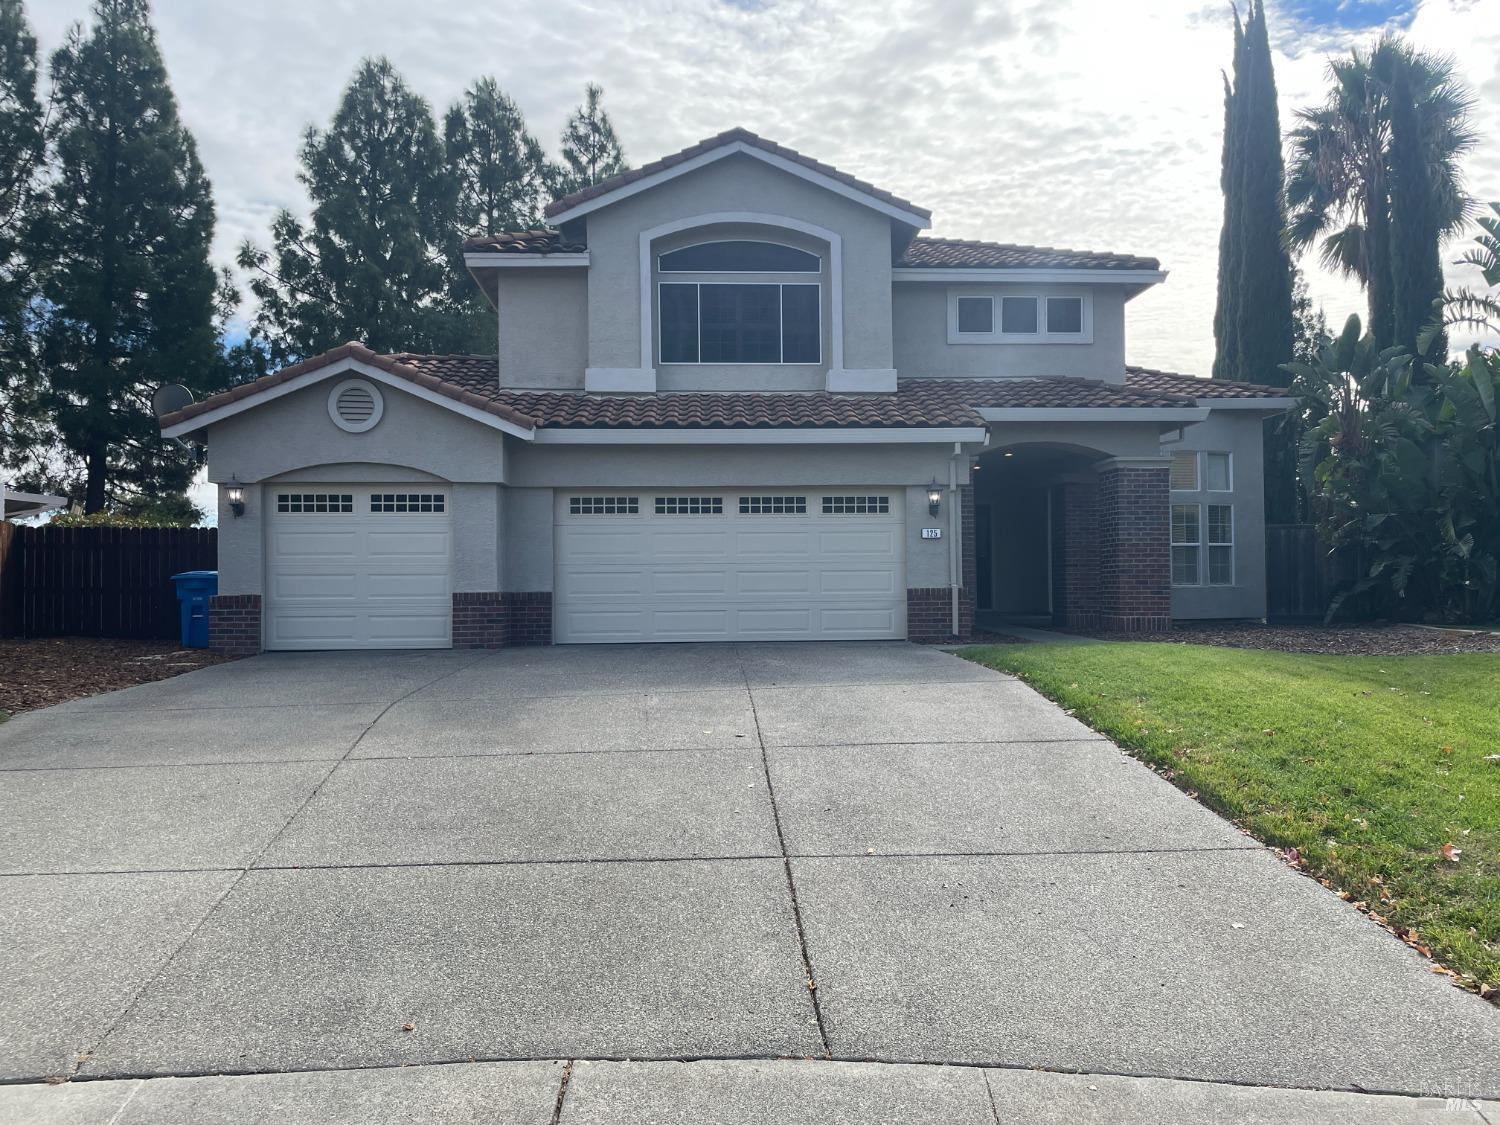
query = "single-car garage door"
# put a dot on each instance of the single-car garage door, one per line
(710, 565)
(358, 566)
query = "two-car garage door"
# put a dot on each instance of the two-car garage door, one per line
(710, 565)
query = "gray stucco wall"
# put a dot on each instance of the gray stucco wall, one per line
(737, 184)
(544, 327)
(919, 313)
(1237, 432)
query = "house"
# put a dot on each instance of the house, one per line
(740, 396)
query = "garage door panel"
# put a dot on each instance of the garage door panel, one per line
(358, 578)
(797, 575)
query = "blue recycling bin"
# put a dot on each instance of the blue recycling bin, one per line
(194, 588)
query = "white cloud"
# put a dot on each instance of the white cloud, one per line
(1081, 123)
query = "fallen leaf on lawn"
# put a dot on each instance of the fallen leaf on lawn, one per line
(1450, 853)
(1492, 757)
(1447, 749)
(1294, 855)
(1269, 733)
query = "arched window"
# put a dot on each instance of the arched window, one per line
(739, 256)
(740, 321)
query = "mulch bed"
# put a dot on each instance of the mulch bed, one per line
(43, 671)
(1334, 640)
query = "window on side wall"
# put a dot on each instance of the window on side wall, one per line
(1184, 471)
(1019, 318)
(1220, 545)
(1186, 544)
(1064, 316)
(1216, 472)
(976, 316)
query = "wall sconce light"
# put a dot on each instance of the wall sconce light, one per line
(234, 492)
(934, 497)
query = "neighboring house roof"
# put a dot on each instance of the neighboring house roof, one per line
(962, 253)
(729, 137)
(1174, 382)
(542, 240)
(473, 380)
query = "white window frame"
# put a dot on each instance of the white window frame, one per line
(672, 279)
(1196, 544)
(1207, 575)
(1228, 470)
(1041, 336)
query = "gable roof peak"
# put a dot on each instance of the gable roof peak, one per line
(738, 135)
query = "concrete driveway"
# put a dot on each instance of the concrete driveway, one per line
(320, 862)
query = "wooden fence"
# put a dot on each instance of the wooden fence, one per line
(1301, 575)
(97, 581)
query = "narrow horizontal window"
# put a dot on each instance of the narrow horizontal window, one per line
(773, 505)
(856, 505)
(604, 505)
(310, 502)
(406, 502)
(1018, 315)
(1064, 315)
(1184, 472)
(690, 505)
(739, 256)
(976, 315)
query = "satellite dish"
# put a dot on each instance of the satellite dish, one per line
(170, 397)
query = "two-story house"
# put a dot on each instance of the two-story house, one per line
(739, 396)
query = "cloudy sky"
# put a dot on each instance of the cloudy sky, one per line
(1078, 123)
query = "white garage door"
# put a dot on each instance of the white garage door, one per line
(707, 565)
(358, 566)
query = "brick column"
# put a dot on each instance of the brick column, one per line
(1135, 545)
(530, 617)
(495, 619)
(234, 624)
(1075, 559)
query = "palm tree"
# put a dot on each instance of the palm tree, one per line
(1339, 184)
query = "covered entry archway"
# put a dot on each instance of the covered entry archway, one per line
(1074, 536)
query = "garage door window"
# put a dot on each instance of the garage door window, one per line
(856, 505)
(690, 505)
(773, 505)
(604, 505)
(310, 502)
(406, 502)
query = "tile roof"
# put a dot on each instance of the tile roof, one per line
(423, 373)
(1148, 379)
(728, 137)
(473, 380)
(959, 253)
(542, 240)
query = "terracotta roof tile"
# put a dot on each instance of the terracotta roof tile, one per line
(1148, 379)
(542, 240)
(958, 253)
(474, 380)
(728, 137)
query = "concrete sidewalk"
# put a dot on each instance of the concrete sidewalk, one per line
(740, 1092)
(327, 862)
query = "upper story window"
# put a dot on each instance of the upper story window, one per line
(1019, 318)
(739, 256)
(761, 321)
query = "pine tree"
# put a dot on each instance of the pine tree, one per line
(500, 168)
(23, 436)
(591, 152)
(127, 294)
(1253, 320)
(373, 263)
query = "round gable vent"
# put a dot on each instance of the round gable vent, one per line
(355, 405)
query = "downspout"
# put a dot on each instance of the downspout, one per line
(955, 529)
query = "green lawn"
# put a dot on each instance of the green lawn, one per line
(1368, 765)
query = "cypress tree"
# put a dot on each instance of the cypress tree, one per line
(591, 151)
(127, 294)
(373, 264)
(1253, 323)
